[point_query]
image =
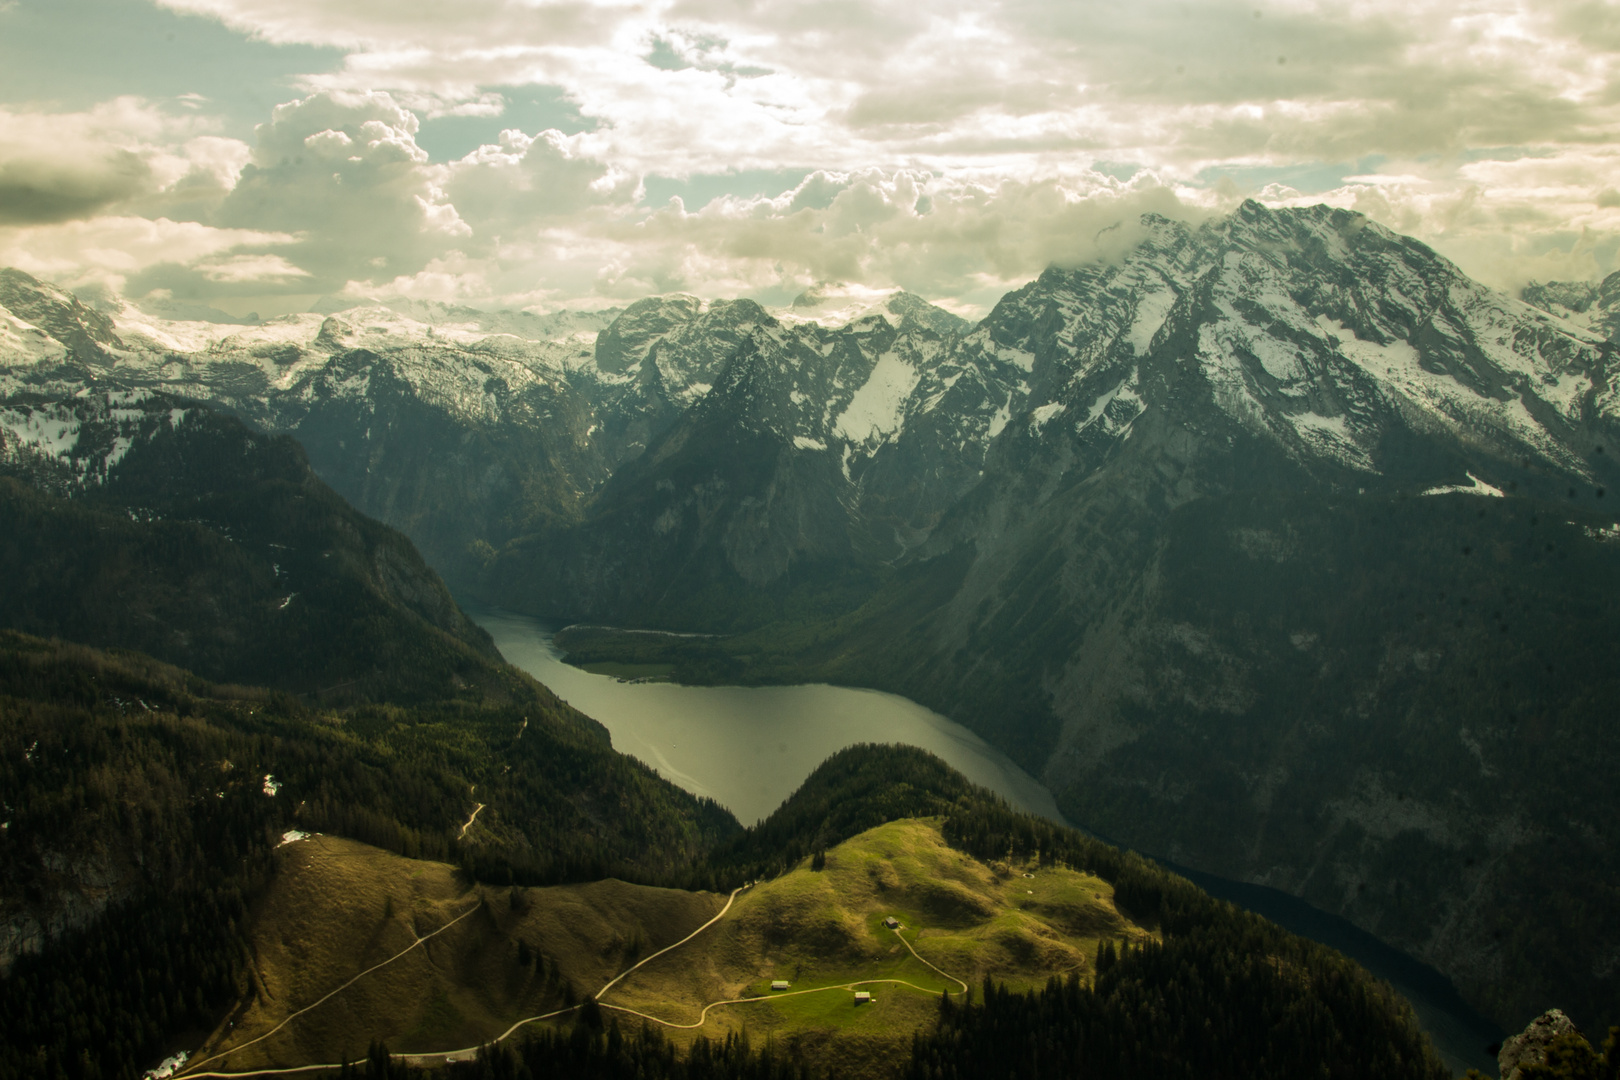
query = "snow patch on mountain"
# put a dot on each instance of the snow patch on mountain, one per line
(1332, 437)
(1117, 408)
(999, 419)
(877, 410)
(47, 431)
(1152, 308)
(1475, 487)
(87, 435)
(1022, 359)
(23, 343)
(1399, 367)
(1039, 416)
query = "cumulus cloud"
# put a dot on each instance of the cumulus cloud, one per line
(711, 85)
(938, 237)
(108, 251)
(342, 172)
(57, 167)
(953, 148)
(524, 183)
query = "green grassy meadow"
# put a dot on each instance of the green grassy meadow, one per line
(338, 907)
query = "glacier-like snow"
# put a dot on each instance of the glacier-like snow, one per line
(1477, 487)
(1152, 309)
(877, 410)
(1039, 416)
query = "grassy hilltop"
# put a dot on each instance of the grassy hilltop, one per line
(338, 907)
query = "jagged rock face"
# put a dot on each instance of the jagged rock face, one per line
(763, 474)
(86, 335)
(1529, 1047)
(623, 346)
(1595, 307)
(1202, 591)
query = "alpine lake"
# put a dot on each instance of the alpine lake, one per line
(750, 747)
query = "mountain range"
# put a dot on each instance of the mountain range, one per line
(1277, 547)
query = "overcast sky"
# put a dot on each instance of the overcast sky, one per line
(261, 153)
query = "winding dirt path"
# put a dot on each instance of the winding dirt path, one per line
(465, 1052)
(848, 987)
(914, 952)
(468, 1052)
(418, 943)
(729, 901)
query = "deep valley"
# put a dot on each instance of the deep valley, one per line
(1275, 548)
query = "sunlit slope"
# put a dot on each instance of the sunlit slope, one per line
(338, 907)
(489, 957)
(824, 933)
(825, 927)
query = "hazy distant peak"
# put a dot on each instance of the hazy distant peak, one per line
(1572, 296)
(835, 305)
(471, 321)
(84, 331)
(1590, 305)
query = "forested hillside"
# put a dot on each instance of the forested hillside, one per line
(142, 804)
(153, 525)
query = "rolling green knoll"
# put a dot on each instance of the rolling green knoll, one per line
(1050, 941)
(337, 907)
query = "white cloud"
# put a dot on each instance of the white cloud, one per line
(258, 269)
(108, 250)
(342, 172)
(789, 83)
(948, 145)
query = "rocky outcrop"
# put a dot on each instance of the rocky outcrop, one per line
(1529, 1047)
(72, 890)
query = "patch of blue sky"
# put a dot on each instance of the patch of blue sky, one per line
(529, 109)
(1311, 178)
(698, 191)
(664, 57)
(70, 54)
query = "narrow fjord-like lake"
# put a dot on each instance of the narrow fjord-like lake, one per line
(750, 747)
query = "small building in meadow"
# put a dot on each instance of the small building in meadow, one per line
(862, 997)
(780, 984)
(891, 922)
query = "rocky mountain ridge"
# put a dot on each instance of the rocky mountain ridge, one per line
(1591, 305)
(139, 521)
(1276, 547)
